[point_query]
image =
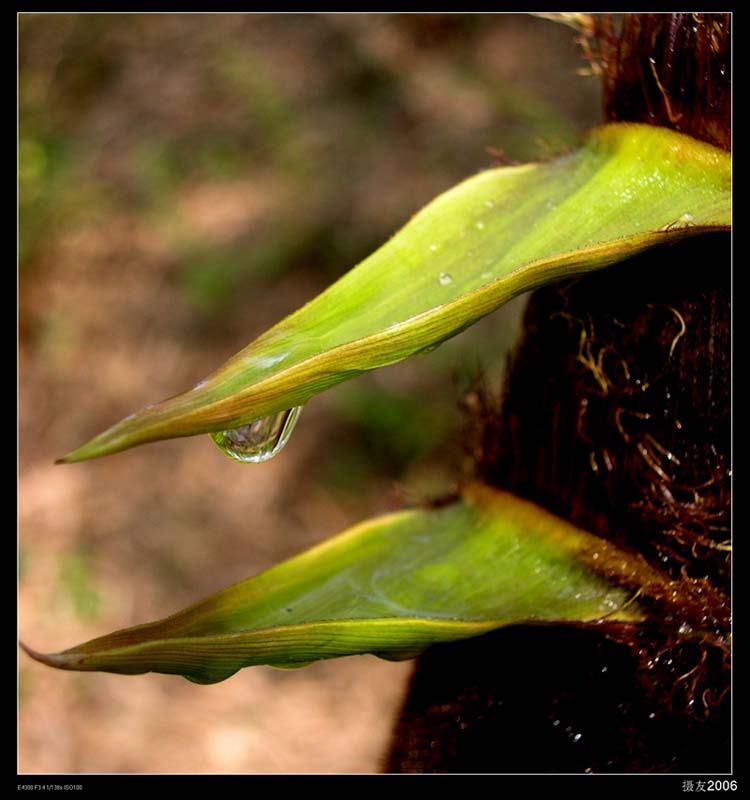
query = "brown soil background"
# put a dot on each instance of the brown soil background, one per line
(186, 181)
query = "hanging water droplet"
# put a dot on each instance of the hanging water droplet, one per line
(687, 217)
(258, 440)
(445, 279)
(434, 248)
(429, 349)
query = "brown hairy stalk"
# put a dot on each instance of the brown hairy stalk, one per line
(616, 416)
(671, 70)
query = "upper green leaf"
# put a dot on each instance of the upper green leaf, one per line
(390, 586)
(496, 235)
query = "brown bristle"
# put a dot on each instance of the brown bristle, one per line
(672, 70)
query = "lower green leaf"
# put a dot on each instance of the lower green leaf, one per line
(390, 586)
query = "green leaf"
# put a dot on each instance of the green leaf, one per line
(391, 586)
(498, 234)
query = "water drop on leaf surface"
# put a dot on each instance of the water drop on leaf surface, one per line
(258, 440)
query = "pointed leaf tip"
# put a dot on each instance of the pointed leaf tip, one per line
(58, 660)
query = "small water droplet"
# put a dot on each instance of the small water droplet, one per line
(445, 279)
(258, 440)
(479, 226)
(551, 206)
(687, 217)
(604, 669)
(652, 715)
(489, 203)
(556, 722)
(434, 248)
(486, 276)
(577, 737)
(470, 253)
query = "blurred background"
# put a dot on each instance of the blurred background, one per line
(185, 181)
